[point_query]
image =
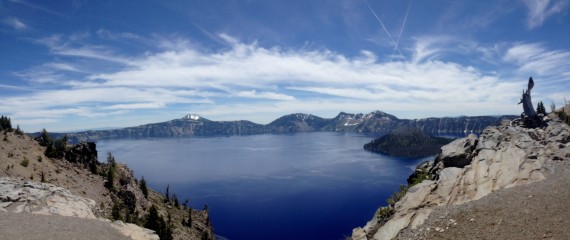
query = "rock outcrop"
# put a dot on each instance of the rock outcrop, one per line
(471, 168)
(47, 199)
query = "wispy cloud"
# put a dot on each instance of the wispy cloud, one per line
(535, 58)
(540, 10)
(264, 95)
(260, 83)
(15, 23)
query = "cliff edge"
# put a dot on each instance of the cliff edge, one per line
(470, 169)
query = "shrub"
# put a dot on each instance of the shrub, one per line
(419, 178)
(19, 131)
(205, 236)
(115, 214)
(383, 214)
(40, 158)
(25, 162)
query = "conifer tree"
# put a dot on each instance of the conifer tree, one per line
(19, 131)
(144, 189)
(167, 195)
(45, 139)
(540, 108)
(152, 219)
(93, 166)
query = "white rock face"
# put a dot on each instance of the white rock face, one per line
(47, 199)
(502, 157)
(43, 198)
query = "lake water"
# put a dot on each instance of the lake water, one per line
(301, 186)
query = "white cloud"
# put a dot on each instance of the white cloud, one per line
(535, 58)
(264, 95)
(260, 83)
(540, 10)
(15, 23)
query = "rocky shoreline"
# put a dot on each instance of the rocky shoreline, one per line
(471, 168)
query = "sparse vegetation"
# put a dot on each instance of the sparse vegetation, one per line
(384, 213)
(5, 124)
(19, 131)
(540, 108)
(563, 116)
(188, 221)
(205, 236)
(25, 162)
(156, 222)
(419, 178)
(167, 194)
(115, 213)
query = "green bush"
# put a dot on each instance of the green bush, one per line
(384, 213)
(25, 162)
(419, 178)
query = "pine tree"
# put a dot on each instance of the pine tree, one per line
(144, 189)
(45, 139)
(19, 131)
(110, 178)
(540, 108)
(175, 200)
(93, 166)
(115, 212)
(188, 222)
(5, 124)
(152, 221)
(167, 197)
(111, 160)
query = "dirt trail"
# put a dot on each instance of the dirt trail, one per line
(536, 211)
(28, 226)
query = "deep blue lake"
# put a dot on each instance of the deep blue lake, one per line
(301, 186)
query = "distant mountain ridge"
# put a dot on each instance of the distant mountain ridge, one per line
(376, 122)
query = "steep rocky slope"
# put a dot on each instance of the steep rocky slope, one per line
(471, 168)
(22, 161)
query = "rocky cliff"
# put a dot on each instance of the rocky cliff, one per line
(471, 168)
(67, 186)
(372, 123)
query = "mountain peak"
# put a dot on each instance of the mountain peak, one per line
(191, 117)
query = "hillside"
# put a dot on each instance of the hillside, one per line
(482, 187)
(407, 142)
(372, 123)
(25, 168)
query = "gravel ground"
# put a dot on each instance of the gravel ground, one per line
(26, 226)
(535, 211)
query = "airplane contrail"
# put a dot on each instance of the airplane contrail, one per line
(384, 28)
(402, 30)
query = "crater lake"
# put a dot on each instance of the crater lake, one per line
(317, 185)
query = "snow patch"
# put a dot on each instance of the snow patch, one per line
(192, 117)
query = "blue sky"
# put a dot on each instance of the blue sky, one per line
(82, 64)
